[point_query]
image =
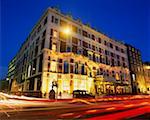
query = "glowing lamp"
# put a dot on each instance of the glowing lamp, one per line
(67, 30)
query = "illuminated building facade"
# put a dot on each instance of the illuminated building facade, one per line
(65, 55)
(136, 70)
(146, 67)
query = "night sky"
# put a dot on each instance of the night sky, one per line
(125, 20)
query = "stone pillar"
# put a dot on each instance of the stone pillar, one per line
(35, 84)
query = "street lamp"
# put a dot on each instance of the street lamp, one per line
(67, 30)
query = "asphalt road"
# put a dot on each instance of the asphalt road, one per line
(128, 109)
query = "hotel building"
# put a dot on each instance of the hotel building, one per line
(64, 54)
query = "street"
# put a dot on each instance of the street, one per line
(106, 108)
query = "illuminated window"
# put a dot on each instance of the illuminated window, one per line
(54, 47)
(55, 34)
(53, 66)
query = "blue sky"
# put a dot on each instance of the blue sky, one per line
(125, 20)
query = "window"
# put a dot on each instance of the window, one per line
(44, 33)
(74, 49)
(71, 60)
(123, 59)
(54, 46)
(93, 47)
(105, 43)
(48, 67)
(94, 57)
(71, 69)
(45, 21)
(55, 34)
(113, 74)
(60, 60)
(74, 40)
(84, 33)
(39, 84)
(36, 50)
(59, 68)
(82, 69)
(74, 29)
(85, 53)
(106, 52)
(124, 65)
(112, 54)
(101, 59)
(112, 62)
(107, 73)
(40, 63)
(62, 46)
(117, 48)
(66, 67)
(51, 32)
(99, 40)
(49, 57)
(42, 44)
(50, 43)
(93, 37)
(107, 61)
(52, 20)
(56, 20)
(85, 44)
(31, 84)
(63, 23)
(118, 63)
(68, 49)
(111, 45)
(76, 68)
(122, 50)
(53, 67)
(118, 57)
(39, 28)
(100, 50)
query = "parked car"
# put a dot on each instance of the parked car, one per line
(82, 94)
